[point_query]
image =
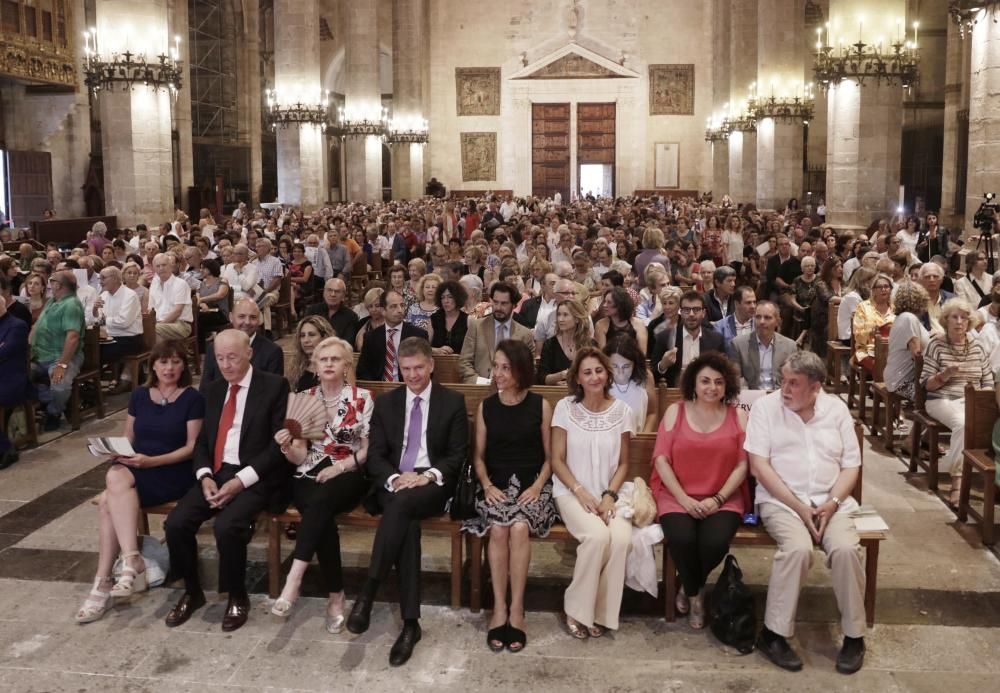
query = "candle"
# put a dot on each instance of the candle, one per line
(861, 28)
(827, 34)
(916, 26)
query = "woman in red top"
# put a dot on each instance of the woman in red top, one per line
(699, 475)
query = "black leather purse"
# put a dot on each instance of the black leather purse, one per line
(463, 503)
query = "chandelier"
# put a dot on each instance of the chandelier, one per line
(406, 131)
(897, 62)
(368, 122)
(716, 134)
(797, 108)
(296, 111)
(127, 70)
(741, 123)
(966, 13)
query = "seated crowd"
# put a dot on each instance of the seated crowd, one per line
(608, 298)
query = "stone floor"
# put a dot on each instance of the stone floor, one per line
(938, 616)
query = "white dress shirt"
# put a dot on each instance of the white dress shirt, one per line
(766, 355)
(243, 281)
(164, 297)
(423, 462)
(231, 451)
(122, 312)
(742, 327)
(88, 297)
(808, 457)
(692, 347)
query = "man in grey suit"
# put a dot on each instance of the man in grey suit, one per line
(740, 320)
(760, 354)
(476, 360)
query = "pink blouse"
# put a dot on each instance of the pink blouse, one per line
(701, 462)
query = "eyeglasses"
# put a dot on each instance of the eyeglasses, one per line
(691, 311)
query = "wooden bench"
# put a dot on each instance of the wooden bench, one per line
(191, 341)
(281, 311)
(640, 465)
(90, 372)
(134, 362)
(835, 352)
(880, 393)
(922, 421)
(446, 369)
(977, 458)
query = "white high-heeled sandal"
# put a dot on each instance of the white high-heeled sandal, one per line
(131, 581)
(96, 604)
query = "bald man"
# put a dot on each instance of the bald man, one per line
(240, 472)
(267, 356)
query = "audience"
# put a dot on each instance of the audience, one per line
(57, 347)
(476, 360)
(267, 356)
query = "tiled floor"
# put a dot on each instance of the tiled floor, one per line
(938, 613)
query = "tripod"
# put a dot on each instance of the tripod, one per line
(990, 261)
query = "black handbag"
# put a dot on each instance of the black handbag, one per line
(732, 609)
(463, 503)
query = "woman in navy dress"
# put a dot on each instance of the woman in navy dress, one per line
(14, 387)
(164, 419)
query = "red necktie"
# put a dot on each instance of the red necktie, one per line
(225, 423)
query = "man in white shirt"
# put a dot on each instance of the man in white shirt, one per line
(119, 310)
(170, 297)
(508, 209)
(241, 275)
(805, 456)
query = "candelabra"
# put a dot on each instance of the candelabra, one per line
(406, 131)
(966, 13)
(296, 111)
(784, 108)
(718, 133)
(362, 124)
(862, 61)
(126, 69)
(744, 122)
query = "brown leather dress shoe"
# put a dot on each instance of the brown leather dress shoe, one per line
(237, 611)
(187, 605)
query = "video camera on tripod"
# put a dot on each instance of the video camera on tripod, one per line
(986, 215)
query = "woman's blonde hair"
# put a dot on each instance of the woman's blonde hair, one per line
(955, 305)
(652, 238)
(346, 350)
(423, 280)
(582, 335)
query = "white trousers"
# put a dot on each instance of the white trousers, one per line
(793, 560)
(595, 594)
(951, 413)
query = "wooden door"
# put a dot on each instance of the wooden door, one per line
(30, 175)
(595, 135)
(550, 149)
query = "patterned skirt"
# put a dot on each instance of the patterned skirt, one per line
(539, 515)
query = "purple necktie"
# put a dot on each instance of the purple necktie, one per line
(409, 460)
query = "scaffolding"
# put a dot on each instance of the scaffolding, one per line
(214, 90)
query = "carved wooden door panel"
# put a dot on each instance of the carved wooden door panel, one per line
(595, 134)
(30, 175)
(550, 149)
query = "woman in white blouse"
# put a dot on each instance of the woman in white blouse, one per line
(590, 441)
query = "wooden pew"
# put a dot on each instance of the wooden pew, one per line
(977, 458)
(133, 362)
(835, 351)
(446, 368)
(90, 372)
(924, 421)
(880, 393)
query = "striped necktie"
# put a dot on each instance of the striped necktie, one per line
(390, 355)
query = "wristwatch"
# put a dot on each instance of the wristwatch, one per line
(430, 475)
(61, 365)
(836, 500)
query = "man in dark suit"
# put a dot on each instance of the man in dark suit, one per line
(719, 301)
(669, 355)
(418, 442)
(267, 356)
(539, 307)
(379, 360)
(240, 472)
(342, 319)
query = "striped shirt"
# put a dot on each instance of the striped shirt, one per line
(973, 366)
(268, 269)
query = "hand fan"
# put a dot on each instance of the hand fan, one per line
(306, 416)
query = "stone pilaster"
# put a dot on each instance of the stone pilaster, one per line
(984, 116)
(182, 104)
(409, 53)
(135, 125)
(297, 76)
(779, 72)
(252, 99)
(742, 72)
(362, 99)
(864, 126)
(720, 93)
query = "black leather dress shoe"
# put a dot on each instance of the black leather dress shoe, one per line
(237, 611)
(777, 649)
(361, 615)
(852, 655)
(187, 605)
(402, 649)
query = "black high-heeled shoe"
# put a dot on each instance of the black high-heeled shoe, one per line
(516, 639)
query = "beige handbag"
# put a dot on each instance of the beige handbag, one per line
(643, 504)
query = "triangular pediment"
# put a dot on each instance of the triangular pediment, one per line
(573, 61)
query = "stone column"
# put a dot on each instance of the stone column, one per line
(742, 72)
(362, 99)
(984, 117)
(409, 53)
(297, 77)
(864, 127)
(779, 73)
(954, 63)
(182, 105)
(253, 102)
(135, 125)
(720, 93)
